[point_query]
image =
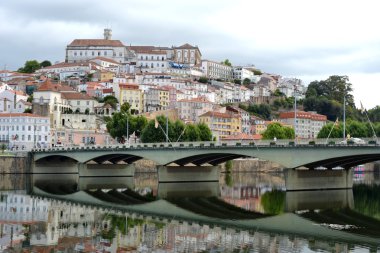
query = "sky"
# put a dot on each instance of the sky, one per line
(310, 40)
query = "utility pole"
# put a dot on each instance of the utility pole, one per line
(295, 114)
(128, 130)
(344, 115)
(167, 128)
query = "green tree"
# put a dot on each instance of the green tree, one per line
(263, 110)
(237, 81)
(246, 81)
(30, 67)
(192, 133)
(227, 62)
(3, 147)
(110, 100)
(279, 131)
(118, 123)
(178, 133)
(203, 79)
(28, 110)
(278, 93)
(154, 132)
(45, 64)
(125, 107)
(30, 99)
(273, 202)
(336, 131)
(205, 133)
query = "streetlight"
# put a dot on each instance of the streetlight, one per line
(295, 113)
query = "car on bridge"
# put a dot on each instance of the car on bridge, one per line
(356, 141)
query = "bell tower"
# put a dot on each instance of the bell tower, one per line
(107, 33)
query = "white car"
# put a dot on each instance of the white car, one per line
(357, 141)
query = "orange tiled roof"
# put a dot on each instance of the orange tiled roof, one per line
(303, 115)
(49, 86)
(96, 42)
(76, 96)
(219, 115)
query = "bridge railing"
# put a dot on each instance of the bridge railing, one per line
(235, 143)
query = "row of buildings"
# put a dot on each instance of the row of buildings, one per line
(63, 98)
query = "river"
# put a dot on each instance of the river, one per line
(243, 212)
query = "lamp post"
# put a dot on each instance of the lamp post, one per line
(295, 114)
(344, 115)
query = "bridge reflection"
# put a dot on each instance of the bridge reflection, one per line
(325, 214)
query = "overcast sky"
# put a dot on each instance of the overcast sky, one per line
(310, 39)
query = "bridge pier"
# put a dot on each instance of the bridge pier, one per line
(311, 200)
(297, 180)
(188, 173)
(109, 170)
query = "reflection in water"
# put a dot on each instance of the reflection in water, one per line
(120, 220)
(367, 200)
(273, 202)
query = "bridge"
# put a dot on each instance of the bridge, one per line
(198, 161)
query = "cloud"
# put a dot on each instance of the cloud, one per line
(290, 38)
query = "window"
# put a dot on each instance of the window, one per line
(105, 52)
(93, 53)
(98, 53)
(78, 102)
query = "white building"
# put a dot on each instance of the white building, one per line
(190, 109)
(289, 85)
(23, 131)
(242, 73)
(215, 70)
(308, 124)
(81, 50)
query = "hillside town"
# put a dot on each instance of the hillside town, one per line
(64, 103)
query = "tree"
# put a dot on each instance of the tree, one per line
(246, 81)
(326, 97)
(118, 123)
(279, 131)
(87, 111)
(110, 100)
(154, 132)
(278, 93)
(237, 81)
(227, 62)
(3, 147)
(353, 128)
(30, 99)
(205, 133)
(28, 110)
(30, 67)
(263, 110)
(45, 64)
(125, 107)
(192, 133)
(203, 79)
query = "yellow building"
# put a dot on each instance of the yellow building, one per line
(133, 95)
(164, 97)
(104, 76)
(221, 124)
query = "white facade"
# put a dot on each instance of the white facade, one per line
(23, 131)
(190, 109)
(81, 50)
(215, 70)
(153, 61)
(242, 73)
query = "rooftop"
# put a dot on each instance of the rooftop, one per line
(96, 42)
